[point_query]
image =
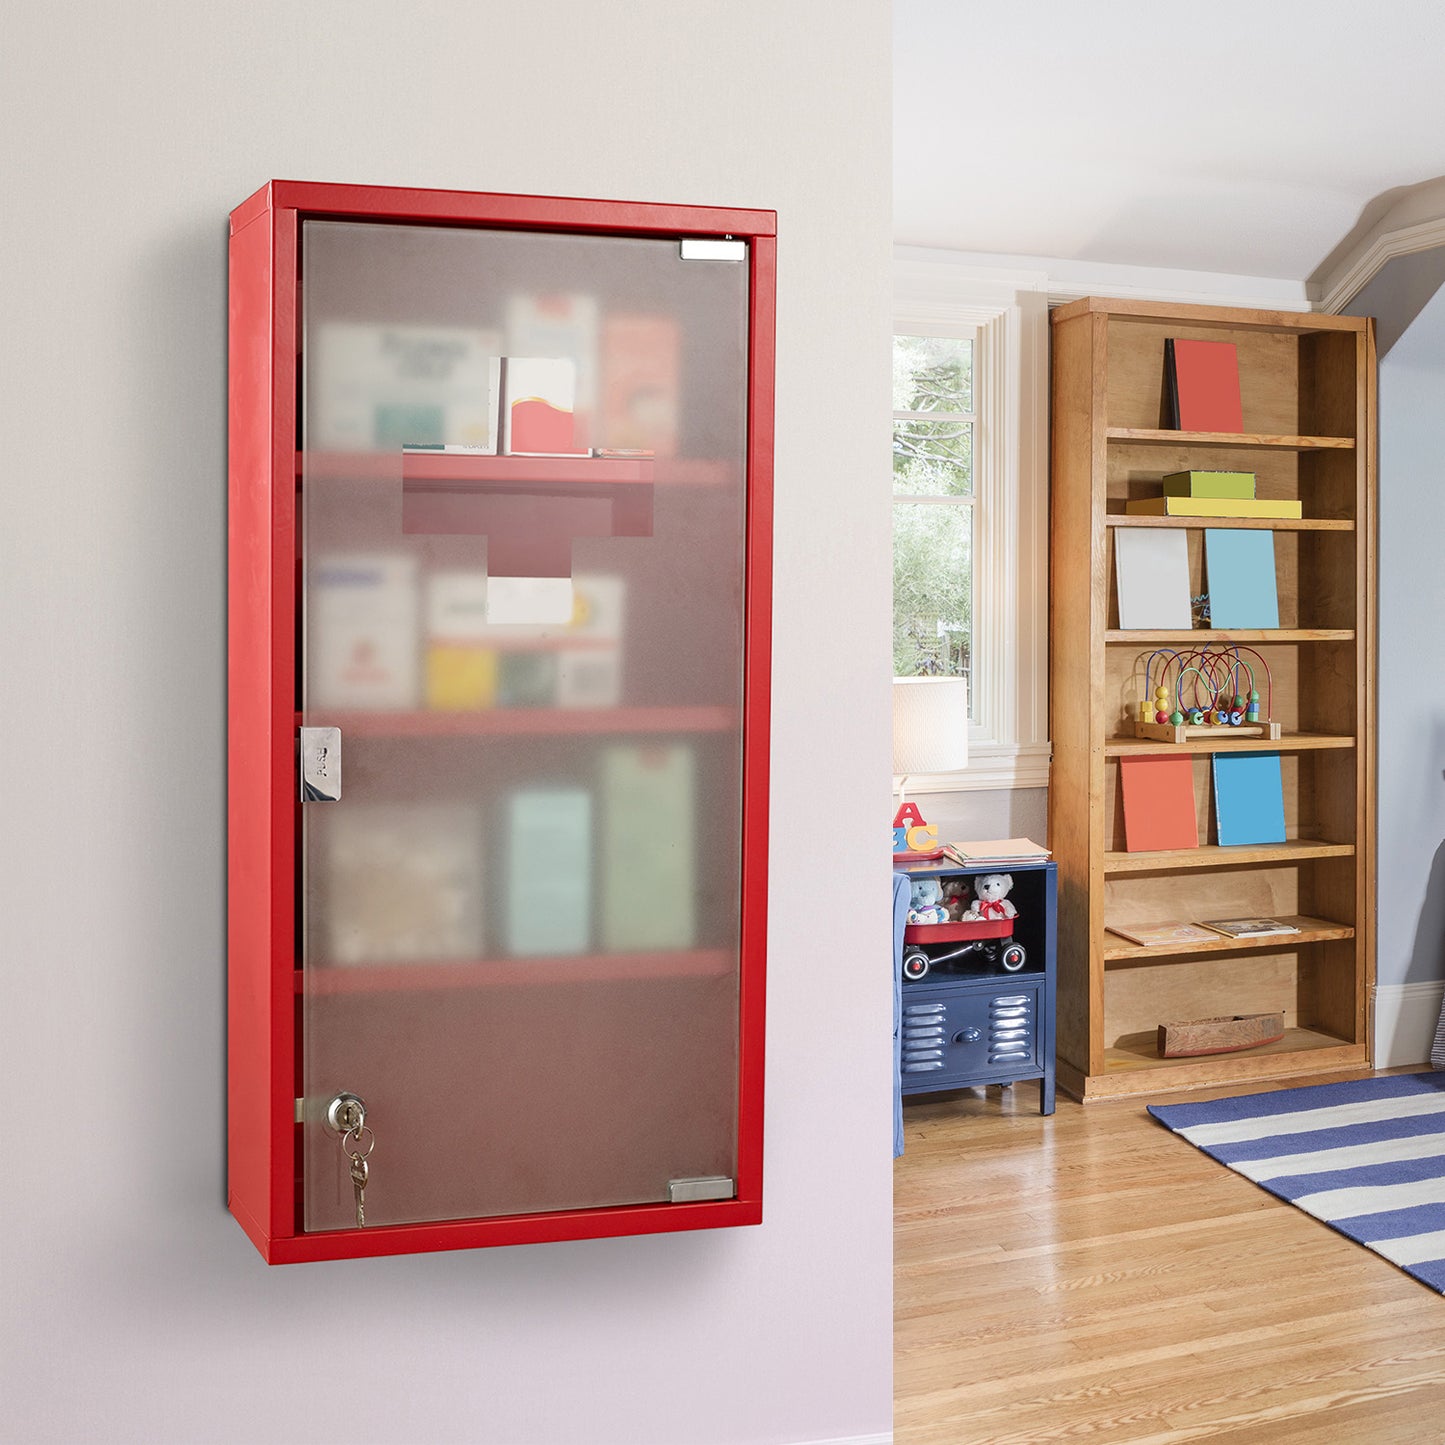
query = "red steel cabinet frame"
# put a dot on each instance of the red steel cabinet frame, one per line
(527, 1034)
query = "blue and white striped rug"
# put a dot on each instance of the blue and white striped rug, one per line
(1367, 1157)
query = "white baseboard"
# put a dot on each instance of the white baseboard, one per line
(1405, 1018)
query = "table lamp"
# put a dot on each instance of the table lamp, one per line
(930, 727)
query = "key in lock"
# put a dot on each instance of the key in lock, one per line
(346, 1118)
(345, 1112)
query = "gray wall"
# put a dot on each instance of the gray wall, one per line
(134, 1309)
(1398, 292)
(1411, 930)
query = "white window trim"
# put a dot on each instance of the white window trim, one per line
(1008, 743)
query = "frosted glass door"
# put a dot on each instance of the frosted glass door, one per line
(521, 568)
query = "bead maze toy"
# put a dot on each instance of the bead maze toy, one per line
(1207, 694)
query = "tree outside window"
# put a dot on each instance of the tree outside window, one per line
(933, 512)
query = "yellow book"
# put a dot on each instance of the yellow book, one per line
(1215, 507)
(460, 676)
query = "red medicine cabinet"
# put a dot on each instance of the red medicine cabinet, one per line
(500, 531)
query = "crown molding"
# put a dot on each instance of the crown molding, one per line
(1368, 263)
(1290, 298)
(1396, 223)
(980, 279)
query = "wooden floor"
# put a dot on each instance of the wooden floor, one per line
(1092, 1277)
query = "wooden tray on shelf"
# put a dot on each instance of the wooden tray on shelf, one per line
(1225, 1035)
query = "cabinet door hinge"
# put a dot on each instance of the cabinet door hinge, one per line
(714, 1186)
(706, 248)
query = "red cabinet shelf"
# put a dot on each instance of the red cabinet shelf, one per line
(529, 722)
(457, 469)
(580, 969)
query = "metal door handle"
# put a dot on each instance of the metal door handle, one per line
(320, 765)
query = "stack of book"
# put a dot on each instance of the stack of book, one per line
(996, 852)
(1212, 494)
(994, 855)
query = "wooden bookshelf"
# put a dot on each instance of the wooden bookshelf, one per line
(1307, 387)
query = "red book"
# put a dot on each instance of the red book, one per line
(1202, 380)
(1158, 803)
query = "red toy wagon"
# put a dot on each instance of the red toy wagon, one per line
(991, 940)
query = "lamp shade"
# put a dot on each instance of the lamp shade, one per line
(930, 724)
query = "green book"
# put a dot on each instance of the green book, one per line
(649, 882)
(1209, 484)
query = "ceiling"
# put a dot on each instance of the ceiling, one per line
(1235, 136)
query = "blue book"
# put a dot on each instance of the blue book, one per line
(549, 871)
(1248, 798)
(1241, 578)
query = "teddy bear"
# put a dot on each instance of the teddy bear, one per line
(925, 902)
(990, 900)
(955, 898)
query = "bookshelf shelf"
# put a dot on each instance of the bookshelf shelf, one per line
(1254, 441)
(1300, 1051)
(1236, 634)
(1289, 742)
(1307, 392)
(1211, 855)
(1242, 524)
(1120, 951)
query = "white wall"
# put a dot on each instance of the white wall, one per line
(134, 1308)
(1411, 938)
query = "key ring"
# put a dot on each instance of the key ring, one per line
(355, 1133)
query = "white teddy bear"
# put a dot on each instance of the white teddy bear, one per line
(990, 901)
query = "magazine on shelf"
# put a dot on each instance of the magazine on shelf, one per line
(1248, 927)
(1157, 935)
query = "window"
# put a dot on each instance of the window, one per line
(970, 504)
(933, 448)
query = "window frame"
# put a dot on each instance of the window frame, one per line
(1006, 313)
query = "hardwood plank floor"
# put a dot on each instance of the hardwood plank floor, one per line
(1092, 1277)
